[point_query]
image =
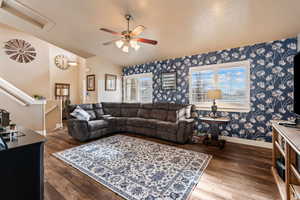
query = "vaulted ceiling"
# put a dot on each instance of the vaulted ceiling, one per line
(182, 27)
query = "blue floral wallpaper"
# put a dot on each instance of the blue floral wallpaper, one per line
(271, 89)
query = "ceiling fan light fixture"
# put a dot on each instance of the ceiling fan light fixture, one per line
(129, 37)
(133, 43)
(125, 49)
(137, 47)
(119, 43)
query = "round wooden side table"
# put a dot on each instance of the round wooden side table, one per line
(214, 130)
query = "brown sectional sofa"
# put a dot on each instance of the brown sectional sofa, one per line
(166, 121)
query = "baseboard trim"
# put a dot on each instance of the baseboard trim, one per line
(58, 126)
(42, 132)
(248, 142)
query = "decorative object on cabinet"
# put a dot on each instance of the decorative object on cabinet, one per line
(20, 50)
(110, 82)
(63, 63)
(91, 82)
(168, 81)
(38, 97)
(4, 118)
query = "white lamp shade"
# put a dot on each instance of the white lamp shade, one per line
(137, 47)
(133, 43)
(125, 49)
(119, 43)
(214, 94)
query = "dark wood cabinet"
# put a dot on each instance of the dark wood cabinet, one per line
(22, 168)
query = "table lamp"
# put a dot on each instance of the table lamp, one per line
(214, 94)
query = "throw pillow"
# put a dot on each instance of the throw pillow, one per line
(80, 114)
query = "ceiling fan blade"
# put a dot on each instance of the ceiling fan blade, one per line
(110, 31)
(138, 30)
(110, 42)
(153, 42)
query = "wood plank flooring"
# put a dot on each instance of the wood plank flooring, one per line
(238, 172)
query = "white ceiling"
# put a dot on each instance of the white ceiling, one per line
(182, 27)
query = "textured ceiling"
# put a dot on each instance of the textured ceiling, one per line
(182, 27)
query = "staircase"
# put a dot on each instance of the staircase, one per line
(53, 115)
(24, 110)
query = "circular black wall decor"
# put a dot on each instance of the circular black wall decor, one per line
(20, 50)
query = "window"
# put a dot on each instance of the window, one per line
(233, 79)
(138, 88)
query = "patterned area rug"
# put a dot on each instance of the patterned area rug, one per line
(139, 169)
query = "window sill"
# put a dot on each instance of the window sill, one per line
(240, 110)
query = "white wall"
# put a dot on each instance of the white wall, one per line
(37, 77)
(70, 76)
(100, 67)
(31, 116)
(33, 77)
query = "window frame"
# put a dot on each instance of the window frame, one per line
(226, 107)
(142, 75)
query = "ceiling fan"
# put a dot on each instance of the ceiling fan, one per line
(129, 38)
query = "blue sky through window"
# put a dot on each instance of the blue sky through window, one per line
(231, 81)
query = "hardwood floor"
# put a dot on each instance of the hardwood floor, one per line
(237, 172)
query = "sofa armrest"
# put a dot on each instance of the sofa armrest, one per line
(106, 116)
(187, 120)
(185, 130)
(78, 129)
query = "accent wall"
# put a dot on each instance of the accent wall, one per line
(271, 86)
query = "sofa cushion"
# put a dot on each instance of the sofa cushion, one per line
(129, 109)
(188, 111)
(86, 106)
(97, 124)
(167, 126)
(113, 109)
(144, 113)
(130, 105)
(142, 130)
(97, 106)
(159, 114)
(175, 106)
(121, 121)
(99, 113)
(98, 110)
(80, 114)
(175, 115)
(71, 108)
(164, 106)
(92, 114)
(141, 122)
(147, 105)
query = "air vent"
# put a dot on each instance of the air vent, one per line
(25, 13)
